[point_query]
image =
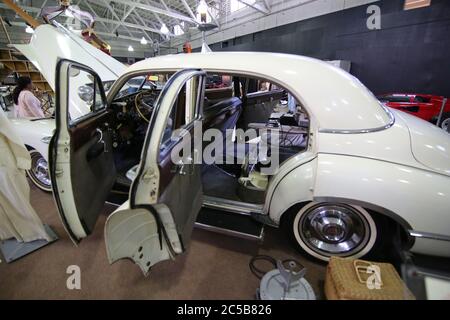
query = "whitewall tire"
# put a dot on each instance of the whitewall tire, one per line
(324, 230)
(39, 173)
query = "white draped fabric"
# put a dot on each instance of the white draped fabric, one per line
(18, 219)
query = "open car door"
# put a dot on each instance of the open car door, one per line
(166, 195)
(81, 161)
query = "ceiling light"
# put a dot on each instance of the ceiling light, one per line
(29, 29)
(202, 7)
(178, 30)
(130, 48)
(164, 29)
(144, 41)
(68, 13)
(414, 4)
(202, 12)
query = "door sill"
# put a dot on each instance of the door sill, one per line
(233, 224)
(238, 207)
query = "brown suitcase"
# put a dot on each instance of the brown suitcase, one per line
(350, 279)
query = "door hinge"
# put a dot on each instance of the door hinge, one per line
(148, 175)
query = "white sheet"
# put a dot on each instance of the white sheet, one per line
(17, 217)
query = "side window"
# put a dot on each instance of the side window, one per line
(184, 111)
(85, 94)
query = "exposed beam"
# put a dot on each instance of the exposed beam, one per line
(42, 7)
(255, 6)
(100, 33)
(97, 18)
(213, 18)
(189, 10)
(267, 4)
(125, 16)
(145, 32)
(111, 9)
(93, 11)
(20, 11)
(155, 9)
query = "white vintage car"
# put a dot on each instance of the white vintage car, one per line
(352, 175)
(47, 45)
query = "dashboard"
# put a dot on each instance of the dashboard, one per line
(132, 113)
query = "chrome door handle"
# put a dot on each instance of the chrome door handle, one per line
(184, 167)
(100, 139)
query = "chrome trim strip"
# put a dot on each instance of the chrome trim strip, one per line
(428, 235)
(238, 207)
(230, 232)
(359, 131)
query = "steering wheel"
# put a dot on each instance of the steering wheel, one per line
(143, 109)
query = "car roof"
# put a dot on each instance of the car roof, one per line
(336, 99)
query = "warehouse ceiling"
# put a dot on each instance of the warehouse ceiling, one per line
(131, 19)
(167, 23)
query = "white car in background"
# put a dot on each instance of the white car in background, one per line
(47, 45)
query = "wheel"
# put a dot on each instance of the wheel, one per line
(39, 173)
(445, 122)
(324, 230)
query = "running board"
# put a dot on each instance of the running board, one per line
(234, 224)
(238, 207)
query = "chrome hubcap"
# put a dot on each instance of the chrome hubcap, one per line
(39, 169)
(334, 229)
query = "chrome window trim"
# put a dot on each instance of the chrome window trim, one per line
(359, 131)
(428, 235)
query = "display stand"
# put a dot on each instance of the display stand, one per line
(12, 250)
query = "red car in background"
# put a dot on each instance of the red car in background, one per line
(424, 106)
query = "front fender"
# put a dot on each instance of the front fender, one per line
(33, 131)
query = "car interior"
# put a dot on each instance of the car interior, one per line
(232, 103)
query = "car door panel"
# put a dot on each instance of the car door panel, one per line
(136, 234)
(165, 197)
(93, 173)
(81, 163)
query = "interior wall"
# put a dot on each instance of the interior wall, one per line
(410, 53)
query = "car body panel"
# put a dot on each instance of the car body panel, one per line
(430, 145)
(391, 145)
(32, 132)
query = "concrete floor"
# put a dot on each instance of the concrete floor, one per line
(214, 267)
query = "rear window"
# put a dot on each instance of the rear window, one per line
(422, 99)
(393, 99)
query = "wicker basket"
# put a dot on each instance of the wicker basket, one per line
(349, 279)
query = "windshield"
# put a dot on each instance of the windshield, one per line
(139, 83)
